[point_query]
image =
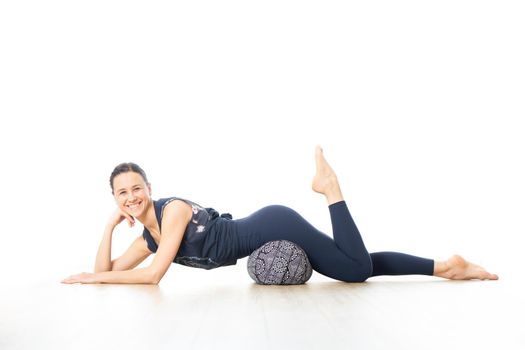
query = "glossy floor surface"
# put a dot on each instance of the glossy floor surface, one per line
(224, 309)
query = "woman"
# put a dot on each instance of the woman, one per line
(181, 231)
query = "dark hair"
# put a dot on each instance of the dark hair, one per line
(124, 168)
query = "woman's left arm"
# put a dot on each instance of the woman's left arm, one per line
(176, 216)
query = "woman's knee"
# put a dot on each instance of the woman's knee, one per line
(356, 278)
(360, 272)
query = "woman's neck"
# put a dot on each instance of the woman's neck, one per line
(149, 219)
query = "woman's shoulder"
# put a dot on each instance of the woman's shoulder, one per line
(196, 208)
(165, 201)
(200, 213)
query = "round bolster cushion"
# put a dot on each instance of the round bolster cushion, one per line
(279, 262)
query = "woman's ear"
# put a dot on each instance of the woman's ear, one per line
(149, 189)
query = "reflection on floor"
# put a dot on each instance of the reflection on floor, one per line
(225, 309)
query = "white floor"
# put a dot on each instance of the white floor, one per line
(224, 309)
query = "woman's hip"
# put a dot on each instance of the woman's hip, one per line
(273, 222)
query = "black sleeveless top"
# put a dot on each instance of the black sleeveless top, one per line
(200, 237)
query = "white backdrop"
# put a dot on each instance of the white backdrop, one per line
(418, 105)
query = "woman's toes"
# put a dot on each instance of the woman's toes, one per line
(319, 156)
(460, 269)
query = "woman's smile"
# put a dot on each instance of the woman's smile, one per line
(134, 206)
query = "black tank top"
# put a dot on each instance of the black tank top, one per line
(194, 250)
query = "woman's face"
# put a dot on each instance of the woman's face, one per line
(131, 193)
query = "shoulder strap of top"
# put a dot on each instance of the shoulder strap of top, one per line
(161, 203)
(158, 205)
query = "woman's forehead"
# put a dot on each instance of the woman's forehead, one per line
(128, 179)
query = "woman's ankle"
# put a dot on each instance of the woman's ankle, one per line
(439, 268)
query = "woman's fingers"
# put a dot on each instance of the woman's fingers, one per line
(84, 277)
(131, 220)
(68, 280)
(71, 279)
(119, 215)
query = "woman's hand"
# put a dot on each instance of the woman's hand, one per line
(84, 277)
(119, 215)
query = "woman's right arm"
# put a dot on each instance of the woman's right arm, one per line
(103, 262)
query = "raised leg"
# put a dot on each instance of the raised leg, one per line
(348, 239)
(346, 235)
(325, 180)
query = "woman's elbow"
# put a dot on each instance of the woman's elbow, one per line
(155, 277)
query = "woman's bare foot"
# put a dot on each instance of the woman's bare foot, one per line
(457, 268)
(325, 181)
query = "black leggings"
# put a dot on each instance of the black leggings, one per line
(344, 257)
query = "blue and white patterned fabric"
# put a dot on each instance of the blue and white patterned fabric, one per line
(279, 262)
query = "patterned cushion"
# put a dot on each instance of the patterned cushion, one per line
(279, 262)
